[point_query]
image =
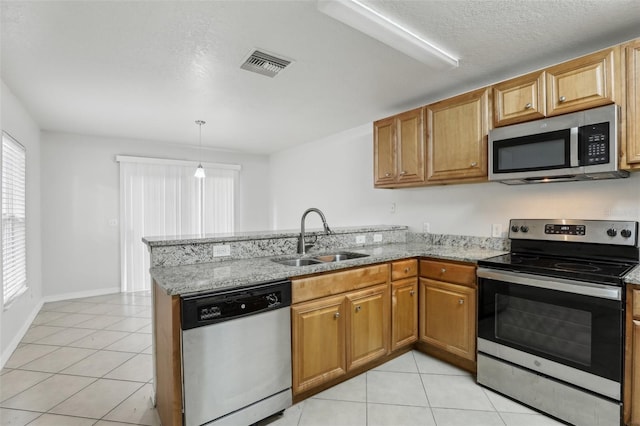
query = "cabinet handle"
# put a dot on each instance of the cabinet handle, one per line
(402, 173)
(443, 270)
(562, 99)
(358, 308)
(406, 270)
(387, 174)
(412, 292)
(528, 106)
(336, 315)
(461, 301)
(474, 164)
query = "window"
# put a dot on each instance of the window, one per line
(14, 230)
(163, 198)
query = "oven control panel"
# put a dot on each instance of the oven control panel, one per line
(616, 232)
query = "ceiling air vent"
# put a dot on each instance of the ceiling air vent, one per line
(264, 64)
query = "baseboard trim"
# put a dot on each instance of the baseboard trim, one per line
(81, 294)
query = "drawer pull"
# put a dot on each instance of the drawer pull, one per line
(474, 164)
(336, 315)
(402, 173)
(406, 270)
(412, 292)
(387, 175)
(461, 301)
(562, 99)
(528, 106)
(443, 270)
(358, 308)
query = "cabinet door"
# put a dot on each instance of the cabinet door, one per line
(384, 151)
(583, 83)
(520, 99)
(457, 132)
(404, 312)
(632, 54)
(368, 319)
(448, 317)
(635, 374)
(318, 342)
(411, 146)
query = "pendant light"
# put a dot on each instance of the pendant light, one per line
(200, 170)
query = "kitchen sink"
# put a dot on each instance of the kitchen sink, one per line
(337, 257)
(297, 262)
(324, 258)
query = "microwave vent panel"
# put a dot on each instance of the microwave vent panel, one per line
(264, 63)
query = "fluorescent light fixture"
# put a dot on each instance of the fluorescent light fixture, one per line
(358, 15)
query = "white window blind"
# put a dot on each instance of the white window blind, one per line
(14, 230)
(162, 198)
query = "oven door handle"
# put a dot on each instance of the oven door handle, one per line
(551, 283)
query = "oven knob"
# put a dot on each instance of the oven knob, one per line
(612, 232)
(625, 233)
(524, 228)
(515, 228)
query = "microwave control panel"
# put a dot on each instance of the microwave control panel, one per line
(594, 144)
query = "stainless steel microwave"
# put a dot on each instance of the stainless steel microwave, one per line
(578, 146)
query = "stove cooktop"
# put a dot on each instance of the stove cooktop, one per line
(594, 271)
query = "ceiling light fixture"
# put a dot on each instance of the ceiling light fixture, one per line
(358, 15)
(200, 170)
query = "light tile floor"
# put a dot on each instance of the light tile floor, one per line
(88, 362)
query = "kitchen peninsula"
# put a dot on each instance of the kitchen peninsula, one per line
(183, 266)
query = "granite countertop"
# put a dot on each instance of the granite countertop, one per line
(633, 277)
(202, 277)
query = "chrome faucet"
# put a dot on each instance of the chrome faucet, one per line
(302, 245)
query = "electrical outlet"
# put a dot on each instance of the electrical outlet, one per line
(377, 238)
(360, 239)
(426, 227)
(496, 230)
(222, 250)
(392, 208)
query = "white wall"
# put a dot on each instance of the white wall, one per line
(14, 321)
(336, 175)
(80, 194)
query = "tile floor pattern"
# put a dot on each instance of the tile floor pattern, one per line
(88, 362)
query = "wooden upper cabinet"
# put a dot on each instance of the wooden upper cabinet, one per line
(582, 83)
(399, 147)
(632, 56)
(384, 151)
(457, 132)
(520, 99)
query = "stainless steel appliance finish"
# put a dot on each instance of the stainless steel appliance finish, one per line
(236, 355)
(551, 317)
(550, 396)
(578, 146)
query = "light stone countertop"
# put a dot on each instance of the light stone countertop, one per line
(633, 277)
(203, 277)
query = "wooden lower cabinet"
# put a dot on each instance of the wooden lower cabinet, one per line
(404, 312)
(635, 382)
(448, 317)
(334, 335)
(367, 325)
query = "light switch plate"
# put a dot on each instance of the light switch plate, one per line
(377, 238)
(496, 230)
(361, 239)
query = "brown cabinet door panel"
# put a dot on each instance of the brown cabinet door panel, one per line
(404, 312)
(318, 342)
(520, 99)
(368, 319)
(384, 151)
(448, 317)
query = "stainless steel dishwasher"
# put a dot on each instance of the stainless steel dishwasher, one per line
(236, 354)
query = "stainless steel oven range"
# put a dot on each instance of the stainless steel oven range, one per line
(551, 317)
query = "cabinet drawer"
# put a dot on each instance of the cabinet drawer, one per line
(404, 269)
(636, 304)
(338, 282)
(449, 272)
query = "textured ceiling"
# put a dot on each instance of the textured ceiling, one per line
(148, 69)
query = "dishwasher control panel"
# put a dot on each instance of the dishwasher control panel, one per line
(209, 308)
